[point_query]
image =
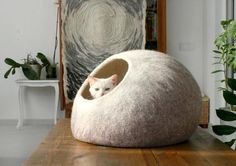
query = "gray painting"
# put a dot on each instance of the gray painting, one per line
(93, 30)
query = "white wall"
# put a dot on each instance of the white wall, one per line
(184, 34)
(26, 26)
(214, 12)
(192, 26)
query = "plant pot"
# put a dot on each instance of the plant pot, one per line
(51, 72)
(32, 72)
(37, 69)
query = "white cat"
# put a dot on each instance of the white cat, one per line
(101, 86)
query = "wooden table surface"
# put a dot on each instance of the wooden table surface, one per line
(60, 148)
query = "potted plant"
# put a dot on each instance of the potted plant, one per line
(31, 67)
(50, 68)
(226, 57)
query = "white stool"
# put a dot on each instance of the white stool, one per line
(35, 83)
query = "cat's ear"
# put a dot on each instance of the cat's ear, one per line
(114, 79)
(91, 80)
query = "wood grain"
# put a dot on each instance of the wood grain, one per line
(60, 148)
(62, 95)
(204, 118)
(161, 29)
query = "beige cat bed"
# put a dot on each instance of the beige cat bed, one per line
(157, 102)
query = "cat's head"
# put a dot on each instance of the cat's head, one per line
(101, 86)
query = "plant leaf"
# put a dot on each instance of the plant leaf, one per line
(234, 66)
(7, 73)
(233, 48)
(216, 51)
(13, 71)
(217, 57)
(229, 97)
(223, 129)
(43, 59)
(230, 143)
(230, 60)
(225, 115)
(225, 23)
(217, 71)
(29, 72)
(11, 62)
(232, 83)
(217, 63)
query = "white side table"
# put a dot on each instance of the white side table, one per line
(35, 83)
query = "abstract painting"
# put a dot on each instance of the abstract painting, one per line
(93, 30)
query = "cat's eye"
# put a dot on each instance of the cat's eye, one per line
(107, 89)
(96, 89)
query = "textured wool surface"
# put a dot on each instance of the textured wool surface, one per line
(156, 103)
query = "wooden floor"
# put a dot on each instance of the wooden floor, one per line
(60, 148)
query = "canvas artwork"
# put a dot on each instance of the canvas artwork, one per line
(93, 30)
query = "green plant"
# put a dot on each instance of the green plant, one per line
(226, 51)
(27, 69)
(50, 67)
(30, 60)
(226, 57)
(226, 114)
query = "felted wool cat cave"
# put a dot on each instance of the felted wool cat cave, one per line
(156, 102)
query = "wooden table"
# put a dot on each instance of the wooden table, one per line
(60, 148)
